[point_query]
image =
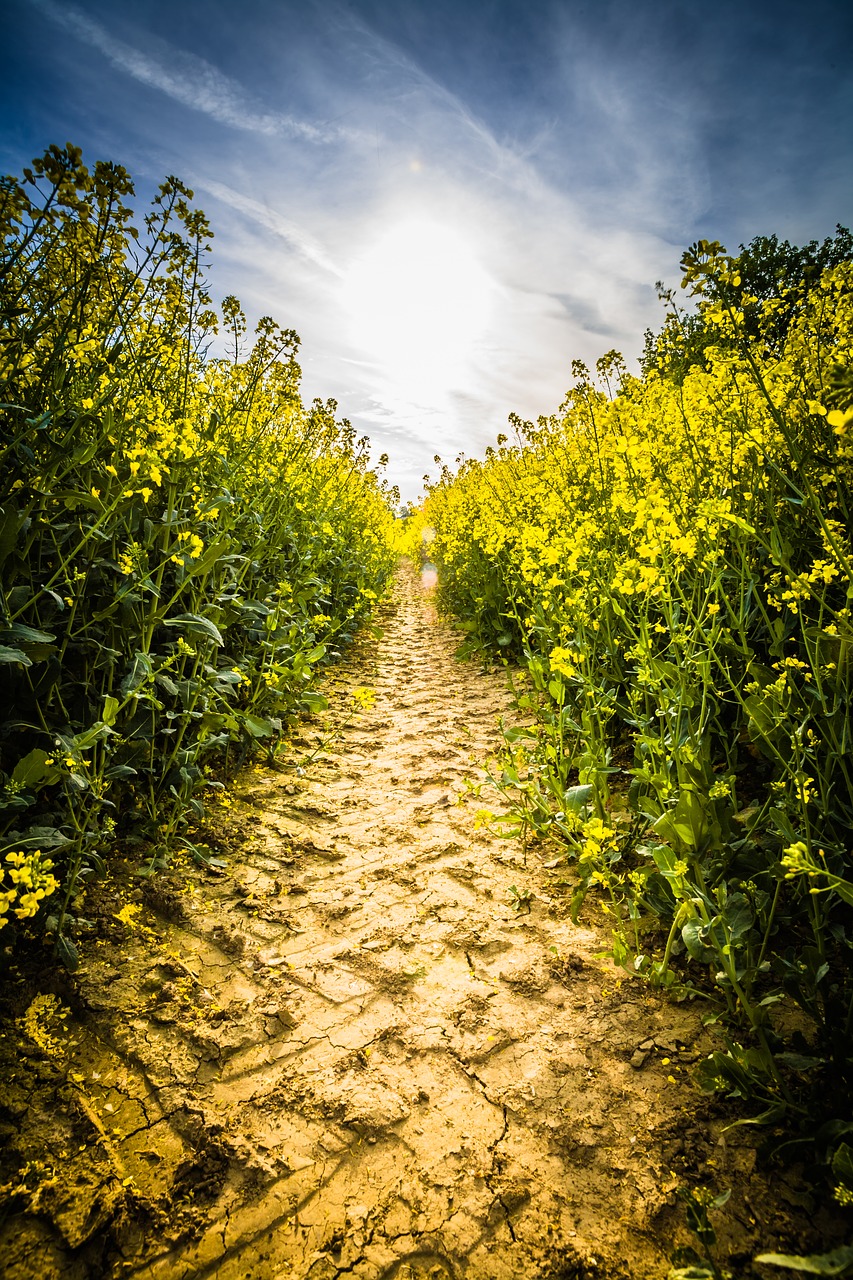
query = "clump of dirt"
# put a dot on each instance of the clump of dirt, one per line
(373, 1046)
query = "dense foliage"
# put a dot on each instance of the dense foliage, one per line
(182, 542)
(670, 559)
(771, 271)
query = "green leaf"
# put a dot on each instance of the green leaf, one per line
(694, 934)
(209, 558)
(842, 1164)
(844, 888)
(111, 706)
(26, 635)
(838, 1262)
(664, 671)
(575, 798)
(799, 1061)
(120, 771)
(257, 727)
(664, 858)
(522, 731)
(766, 720)
(95, 733)
(577, 902)
(720, 1071)
(74, 498)
(43, 838)
(679, 833)
(738, 916)
(203, 860)
(313, 701)
(728, 518)
(14, 655)
(67, 953)
(34, 771)
(686, 826)
(139, 674)
(195, 624)
(86, 452)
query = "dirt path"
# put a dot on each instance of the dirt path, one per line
(350, 1055)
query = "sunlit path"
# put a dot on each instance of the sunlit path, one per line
(358, 1051)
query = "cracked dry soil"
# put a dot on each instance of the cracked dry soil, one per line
(348, 1055)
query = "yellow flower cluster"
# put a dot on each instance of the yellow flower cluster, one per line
(562, 661)
(624, 501)
(31, 881)
(598, 840)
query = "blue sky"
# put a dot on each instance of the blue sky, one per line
(450, 202)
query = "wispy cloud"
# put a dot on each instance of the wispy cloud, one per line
(187, 79)
(296, 237)
(507, 162)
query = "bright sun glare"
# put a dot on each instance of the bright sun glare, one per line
(418, 302)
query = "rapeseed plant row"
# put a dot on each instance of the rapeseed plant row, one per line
(183, 543)
(669, 557)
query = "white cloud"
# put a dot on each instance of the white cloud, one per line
(187, 78)
(296, 237)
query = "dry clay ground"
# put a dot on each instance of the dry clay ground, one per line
(351, 1054)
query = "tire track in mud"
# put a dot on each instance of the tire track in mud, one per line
(350, 1056)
